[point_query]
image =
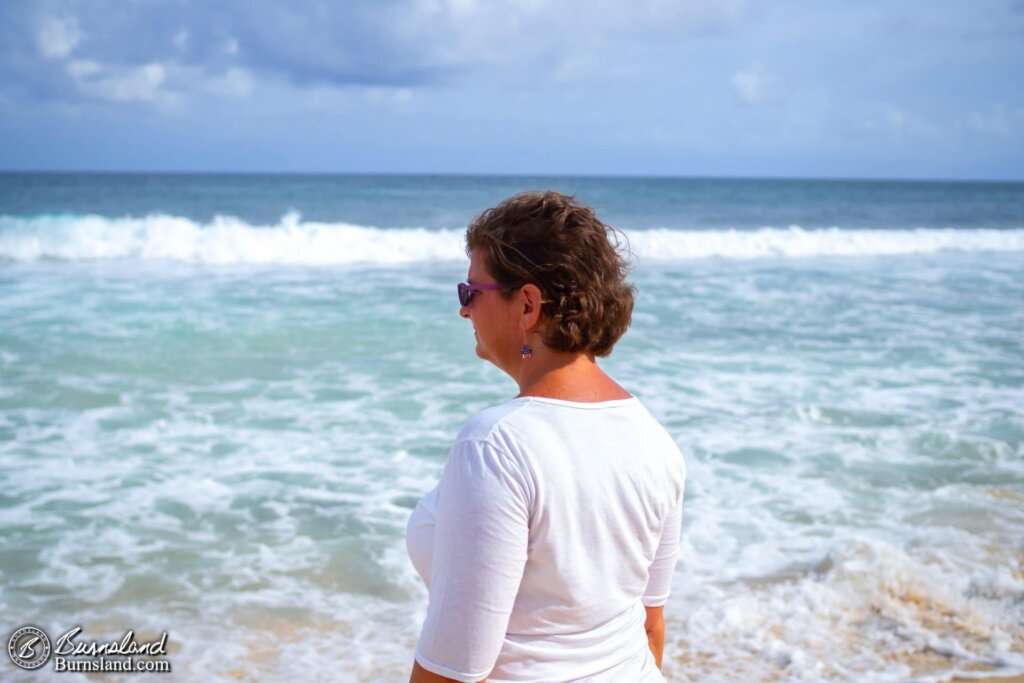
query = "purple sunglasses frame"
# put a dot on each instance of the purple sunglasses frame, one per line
(466, 291)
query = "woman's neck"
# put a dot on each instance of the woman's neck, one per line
(567, 376)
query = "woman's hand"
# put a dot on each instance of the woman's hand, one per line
(655, 627)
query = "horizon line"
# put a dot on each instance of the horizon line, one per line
(467, 174)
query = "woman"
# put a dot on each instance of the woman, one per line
(548, 547)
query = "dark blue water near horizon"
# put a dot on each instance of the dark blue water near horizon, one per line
(450, 201)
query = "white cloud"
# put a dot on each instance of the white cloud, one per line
(130, 84)
(345, 46)
(163, 84)
(58, 37)
(754, 84)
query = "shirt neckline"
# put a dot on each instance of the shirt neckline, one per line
(586, 405)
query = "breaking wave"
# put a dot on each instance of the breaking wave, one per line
(227, 239)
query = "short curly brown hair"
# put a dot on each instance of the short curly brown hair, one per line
(557, 243)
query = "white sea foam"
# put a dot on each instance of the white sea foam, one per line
(224, 240)
(796, 242)
(869, 606)
(291, 240)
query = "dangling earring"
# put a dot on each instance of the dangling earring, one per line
(526, 350)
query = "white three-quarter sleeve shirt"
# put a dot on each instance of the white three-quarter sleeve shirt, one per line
(553, 525)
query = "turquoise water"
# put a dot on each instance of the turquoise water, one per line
(218, 428)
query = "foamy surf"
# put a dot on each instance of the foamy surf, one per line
(223, 240)
(230, 240)
(870, 605)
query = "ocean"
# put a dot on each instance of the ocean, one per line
(222, 395)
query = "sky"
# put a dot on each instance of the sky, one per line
(830, 88)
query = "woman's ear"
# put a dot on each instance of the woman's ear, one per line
(532, 301)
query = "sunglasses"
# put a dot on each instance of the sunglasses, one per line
(466, 291)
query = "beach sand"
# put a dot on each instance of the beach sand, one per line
(995, 679)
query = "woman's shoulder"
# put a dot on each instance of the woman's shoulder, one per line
(482, 425)
(526, 417)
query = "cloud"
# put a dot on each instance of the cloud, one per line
(57, 37)
(132, 84)
(753, 84)
(553, 84)
(362, 43)
(156, 83)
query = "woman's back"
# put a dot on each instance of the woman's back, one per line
(554, 524)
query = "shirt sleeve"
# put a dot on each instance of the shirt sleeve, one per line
(659, 581)
(480, 543)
